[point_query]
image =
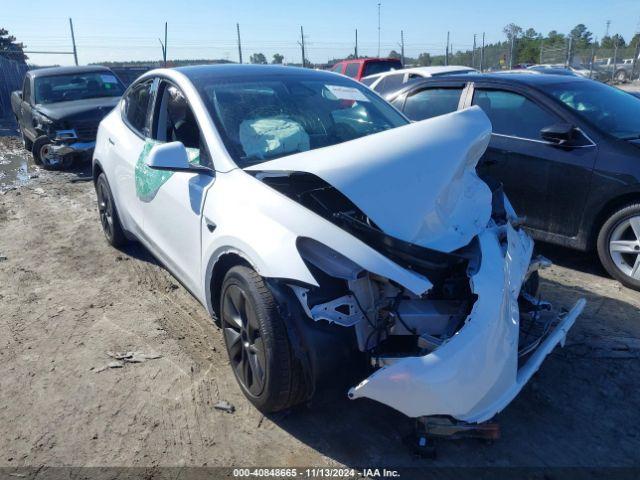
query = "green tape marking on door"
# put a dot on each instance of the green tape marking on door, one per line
(148, 180)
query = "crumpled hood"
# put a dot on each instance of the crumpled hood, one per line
(417, 182)
(88, 109)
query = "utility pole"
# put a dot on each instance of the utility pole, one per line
(73, 41)
(164, 46)
(402, 47)
(568, 61)
(513, 35)
(541, 49)
(356, 51)
(446, 52)
(634, 69)
(482, 55)
(615, 59)
(593, 56)
(606, 32)
(301, 43)
(239, 43)
(473, 52)
(379, 29)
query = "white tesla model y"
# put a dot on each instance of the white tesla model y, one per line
(319, 226)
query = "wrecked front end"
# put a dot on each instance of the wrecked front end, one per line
(466, 345)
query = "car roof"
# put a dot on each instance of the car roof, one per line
(226, 70)
(426, 71)
(525, 79)
(52, 71)
(368, 59)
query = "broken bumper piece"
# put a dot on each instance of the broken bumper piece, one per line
(78, 148)
(475, 374)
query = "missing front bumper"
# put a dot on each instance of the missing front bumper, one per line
(476, 373)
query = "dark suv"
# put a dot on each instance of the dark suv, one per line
(566, 149)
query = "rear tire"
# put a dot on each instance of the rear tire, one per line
(257, 342)
(619, 246)
(109, 214)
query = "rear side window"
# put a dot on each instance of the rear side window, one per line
(136, 106)
(352, 70)
(432, 102)
(513, 114)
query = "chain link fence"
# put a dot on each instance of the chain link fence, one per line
(11, 77)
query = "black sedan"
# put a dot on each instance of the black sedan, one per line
(566, 149)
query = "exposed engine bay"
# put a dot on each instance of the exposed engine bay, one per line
(465, 345)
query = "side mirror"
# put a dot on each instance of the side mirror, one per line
(168, 156)
(560, 133)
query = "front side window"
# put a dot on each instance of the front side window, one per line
(77, 86)
(337, 68)
(513, 114)
(263, 119)
(174, 121)
(607, 108)
(432, 102)
(136, 106)
(352, 70)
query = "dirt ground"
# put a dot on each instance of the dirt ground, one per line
(67, 298)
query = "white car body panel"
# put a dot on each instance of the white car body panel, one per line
(474, 375)
(399, 179)
(268, 240)
(424, 72)
(416, 182)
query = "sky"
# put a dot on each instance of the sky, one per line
(112, 30)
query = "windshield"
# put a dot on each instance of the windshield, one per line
(77, 86)
(607, 108)
(263, 119)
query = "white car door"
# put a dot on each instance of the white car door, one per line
(172, 200)
(126, 144)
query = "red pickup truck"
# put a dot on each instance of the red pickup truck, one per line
(362, 67)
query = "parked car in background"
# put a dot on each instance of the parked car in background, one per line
(619, 71)
(549, 70)
(362, 67)
(324, 230)
(58, 111)
(566, 149)
(390, 81)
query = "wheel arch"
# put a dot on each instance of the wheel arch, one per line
(607, 210)
(96, 170)
(220, 266)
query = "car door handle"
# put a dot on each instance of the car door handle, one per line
(211, 225)
(111, 142)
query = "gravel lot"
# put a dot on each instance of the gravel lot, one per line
(67, 298)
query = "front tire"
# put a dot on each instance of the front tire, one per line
(257, 342)
(619, 246)
(109, 214)
(42, 155)
(621, 76)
